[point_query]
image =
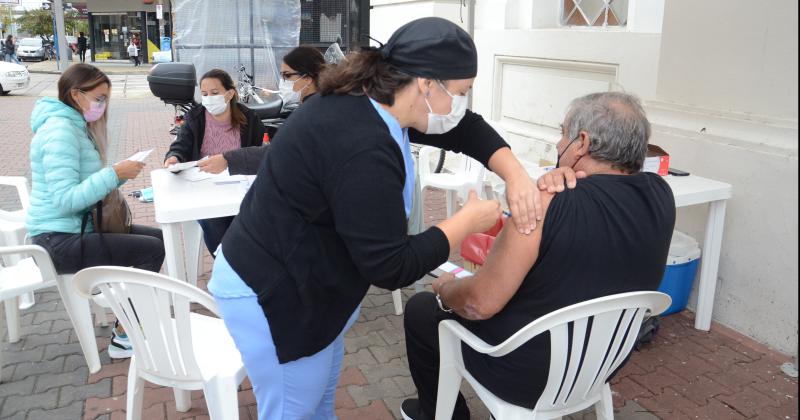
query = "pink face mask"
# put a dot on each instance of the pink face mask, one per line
(96, 109)
(95, 112)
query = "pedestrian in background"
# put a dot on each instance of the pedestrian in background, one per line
(10, 50)
(82, 42)
(133, 53)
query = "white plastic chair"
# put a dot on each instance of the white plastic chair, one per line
(616, 321)
(469, 176)
(24, 277)
(12, 233)
(171, 346)
(17, 280)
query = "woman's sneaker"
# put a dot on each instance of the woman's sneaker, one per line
(120, 346)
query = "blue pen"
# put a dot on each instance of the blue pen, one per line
(507, 213)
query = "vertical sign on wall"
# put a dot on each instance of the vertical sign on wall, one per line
(159, 11)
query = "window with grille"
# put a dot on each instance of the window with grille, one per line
(595, 13)
(326, 21)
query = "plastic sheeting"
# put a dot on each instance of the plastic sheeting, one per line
(228, 33)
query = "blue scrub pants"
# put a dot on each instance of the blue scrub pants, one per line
(302, 389)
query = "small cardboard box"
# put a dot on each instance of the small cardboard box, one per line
(657, 160)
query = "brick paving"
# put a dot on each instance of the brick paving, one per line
(684, 374)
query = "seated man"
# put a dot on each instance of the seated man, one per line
(609, 235)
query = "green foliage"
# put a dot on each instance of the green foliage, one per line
(6, 17)
(74, 24)
(36, 22)
(40, 23)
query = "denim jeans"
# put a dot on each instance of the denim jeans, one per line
(143, 248)
(11, 58)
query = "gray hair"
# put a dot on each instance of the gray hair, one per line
(617, 126)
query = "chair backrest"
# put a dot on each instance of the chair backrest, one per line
(588, 342)
(154, 310)
(21, 184)
(40, 256)
(426, 153)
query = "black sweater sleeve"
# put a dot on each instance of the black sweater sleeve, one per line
(189, 140)
(246, 160)
(472, 136)
(183, 144)
(367, 206)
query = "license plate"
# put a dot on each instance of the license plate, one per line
(20, 85)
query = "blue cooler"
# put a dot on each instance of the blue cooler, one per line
(682, 263)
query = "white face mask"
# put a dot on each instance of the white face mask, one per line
(215, 104)
(440, 124)
(288, 94)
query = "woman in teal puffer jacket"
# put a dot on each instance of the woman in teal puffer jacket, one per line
(69, 176)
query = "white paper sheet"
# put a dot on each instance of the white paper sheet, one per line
(140, 156)
(195, 174)
(230, 179)
(177, 167)
(449, 267)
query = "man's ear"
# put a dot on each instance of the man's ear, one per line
(583, 144)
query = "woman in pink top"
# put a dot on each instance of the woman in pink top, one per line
(219, 126)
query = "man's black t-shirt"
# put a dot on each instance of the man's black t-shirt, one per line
(609, 235)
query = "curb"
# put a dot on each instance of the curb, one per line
(112, 72)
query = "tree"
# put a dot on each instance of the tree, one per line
(36, 22)
(6, 17)
(74, 23)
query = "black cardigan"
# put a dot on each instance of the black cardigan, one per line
(325, 219)
(245, 160)
(186, 146)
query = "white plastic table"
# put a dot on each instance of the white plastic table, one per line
(690, 191)
(179, 204)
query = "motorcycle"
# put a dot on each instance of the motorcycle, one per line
(174, 84)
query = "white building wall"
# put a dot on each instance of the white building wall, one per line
(723, 100)
(726, 108)
(388, 15)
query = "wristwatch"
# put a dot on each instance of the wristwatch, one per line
(441, 305)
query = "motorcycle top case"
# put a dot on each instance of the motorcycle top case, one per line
(173, 82)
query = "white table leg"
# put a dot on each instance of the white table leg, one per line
(397, 298)
(710, 264)
(192, 237)
(173, 249)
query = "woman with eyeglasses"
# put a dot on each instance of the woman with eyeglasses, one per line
(69, 175)
(299, 81)
(300, 72)
(219, 126)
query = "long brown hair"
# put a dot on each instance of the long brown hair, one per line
(237, 116)
(85, 77)
(365, 72)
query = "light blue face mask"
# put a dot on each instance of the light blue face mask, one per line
(147, 195)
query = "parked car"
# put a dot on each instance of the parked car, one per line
(13, 77)
(31, 49)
